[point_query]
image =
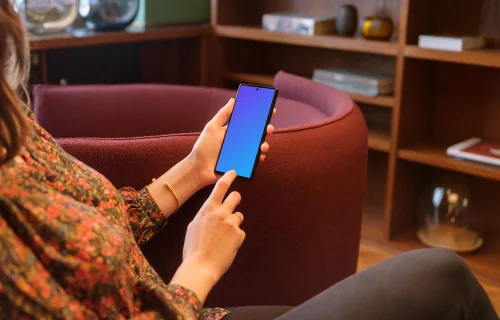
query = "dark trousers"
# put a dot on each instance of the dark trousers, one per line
(423, 284)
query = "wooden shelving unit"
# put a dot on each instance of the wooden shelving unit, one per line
(440, 98)
(326, 42)
(132, 34)
(484, 57)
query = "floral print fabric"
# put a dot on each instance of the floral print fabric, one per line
(70, 244)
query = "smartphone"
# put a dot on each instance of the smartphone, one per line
(246, 130)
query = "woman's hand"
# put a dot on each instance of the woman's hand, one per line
(212, 240)
(196, 171)
(206, 150)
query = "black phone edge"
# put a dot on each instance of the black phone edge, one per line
(264, 133)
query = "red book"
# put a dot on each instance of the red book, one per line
(477, 149)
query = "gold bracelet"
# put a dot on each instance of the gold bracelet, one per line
(173, 193)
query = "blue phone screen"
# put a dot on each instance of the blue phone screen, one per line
(244, 133)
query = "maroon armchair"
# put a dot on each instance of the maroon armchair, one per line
(303, 210)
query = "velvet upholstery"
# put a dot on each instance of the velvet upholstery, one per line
(303, 210)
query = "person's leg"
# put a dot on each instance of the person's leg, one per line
(422, 284)
(256, 313)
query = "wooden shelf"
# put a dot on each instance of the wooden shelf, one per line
(254, 78)
(267, 80)
(381, 101)
(322, 41)
(483, 57)
(379, 141)
(82, 38)
(436, 156)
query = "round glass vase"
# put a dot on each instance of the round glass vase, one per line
(108, 15)
(445, 216)
(48, 16)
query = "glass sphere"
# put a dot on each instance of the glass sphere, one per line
(103, 15)
(48, 16)
(445, 216)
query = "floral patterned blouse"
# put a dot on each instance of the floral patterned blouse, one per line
(70, 244)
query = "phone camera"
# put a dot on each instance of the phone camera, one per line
(257, 89)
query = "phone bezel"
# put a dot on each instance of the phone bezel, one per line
(268, 120)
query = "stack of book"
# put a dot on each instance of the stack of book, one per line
(356, 81)
(449, 42)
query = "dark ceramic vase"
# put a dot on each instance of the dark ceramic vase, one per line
(108, 15)
(347, 20)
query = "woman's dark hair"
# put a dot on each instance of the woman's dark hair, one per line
(14, 62)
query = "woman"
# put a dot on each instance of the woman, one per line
(70, 242)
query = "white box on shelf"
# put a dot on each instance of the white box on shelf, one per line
(298, 23)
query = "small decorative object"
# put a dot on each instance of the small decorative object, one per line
(451, 42)
(377, 28)
(154, 13)
(297, 23)
(445, 213)
(356, 81)
(477, 149)
(48, 16)
(347, 20)
(108, 15)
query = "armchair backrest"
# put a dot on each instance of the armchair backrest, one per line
(135, 110)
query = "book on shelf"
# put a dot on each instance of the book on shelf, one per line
(298, 23)
(478, 150)
(356, 88)
(356, 81)
(450, 42)
(358, 77)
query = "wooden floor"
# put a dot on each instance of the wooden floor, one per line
(371, 253)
